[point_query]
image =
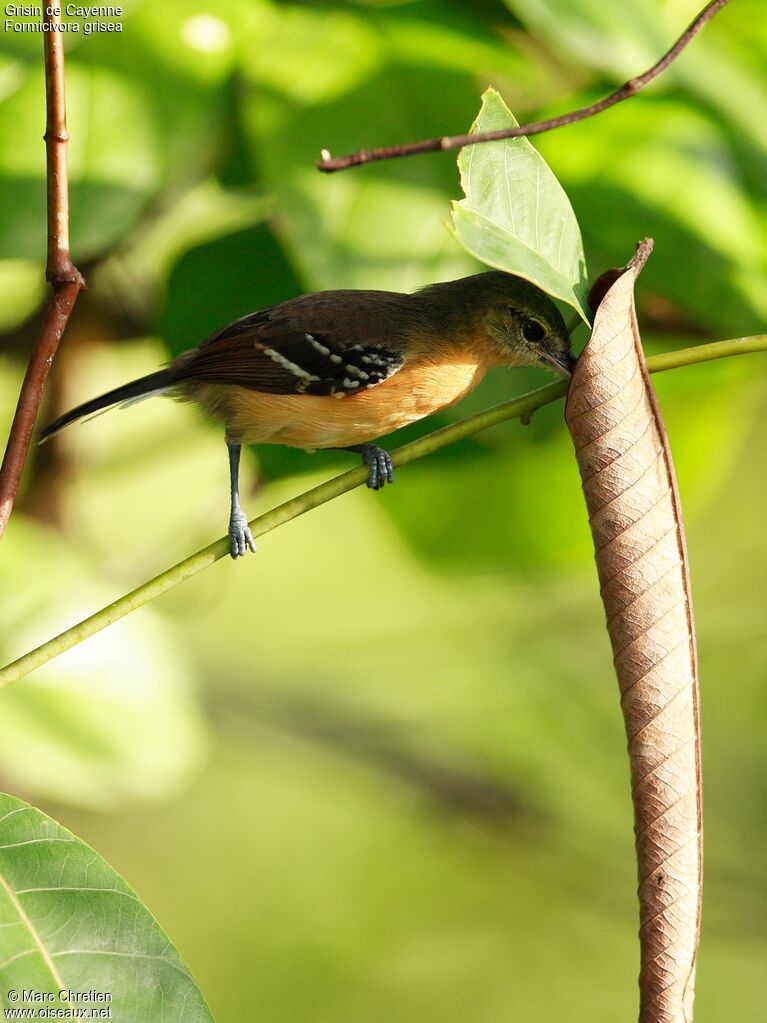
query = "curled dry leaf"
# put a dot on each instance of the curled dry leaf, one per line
(636, 521)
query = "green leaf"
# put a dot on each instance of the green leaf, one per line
(516, 216)
(69, 924)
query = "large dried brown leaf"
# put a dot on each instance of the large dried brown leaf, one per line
(636, 521)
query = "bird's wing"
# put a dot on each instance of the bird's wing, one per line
(313, 345)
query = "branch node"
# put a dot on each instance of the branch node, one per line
(66, 279)
(66, 274)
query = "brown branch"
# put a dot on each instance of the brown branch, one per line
(330, 164)
(64, 277)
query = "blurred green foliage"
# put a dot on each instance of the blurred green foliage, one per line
(455, 619)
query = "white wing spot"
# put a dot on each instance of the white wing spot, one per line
(355, 371)
(317, 345)
(292, 367)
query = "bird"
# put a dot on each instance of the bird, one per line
(341, 369)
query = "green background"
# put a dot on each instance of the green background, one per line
(378, 771)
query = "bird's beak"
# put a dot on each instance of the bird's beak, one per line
(562, 364)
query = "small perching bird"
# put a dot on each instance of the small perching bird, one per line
(338, 369)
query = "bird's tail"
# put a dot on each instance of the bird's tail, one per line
(144, 387)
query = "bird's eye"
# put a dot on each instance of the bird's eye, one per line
(533, 331)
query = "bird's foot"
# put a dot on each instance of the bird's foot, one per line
(381, 468)
(240, 537)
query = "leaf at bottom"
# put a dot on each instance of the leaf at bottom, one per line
(70, 925)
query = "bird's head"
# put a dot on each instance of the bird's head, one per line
(517, 321)
(522, 324)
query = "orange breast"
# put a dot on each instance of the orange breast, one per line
(308, 421)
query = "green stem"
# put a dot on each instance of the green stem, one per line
(516, 408)
(707, 353)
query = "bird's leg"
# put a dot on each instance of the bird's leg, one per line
(240, 536)
(381, 468)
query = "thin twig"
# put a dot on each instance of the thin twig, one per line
(330, 164)
(517, 408)
(64, 277)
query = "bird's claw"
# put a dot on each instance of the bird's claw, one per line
(240, 537)
(381, 468)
